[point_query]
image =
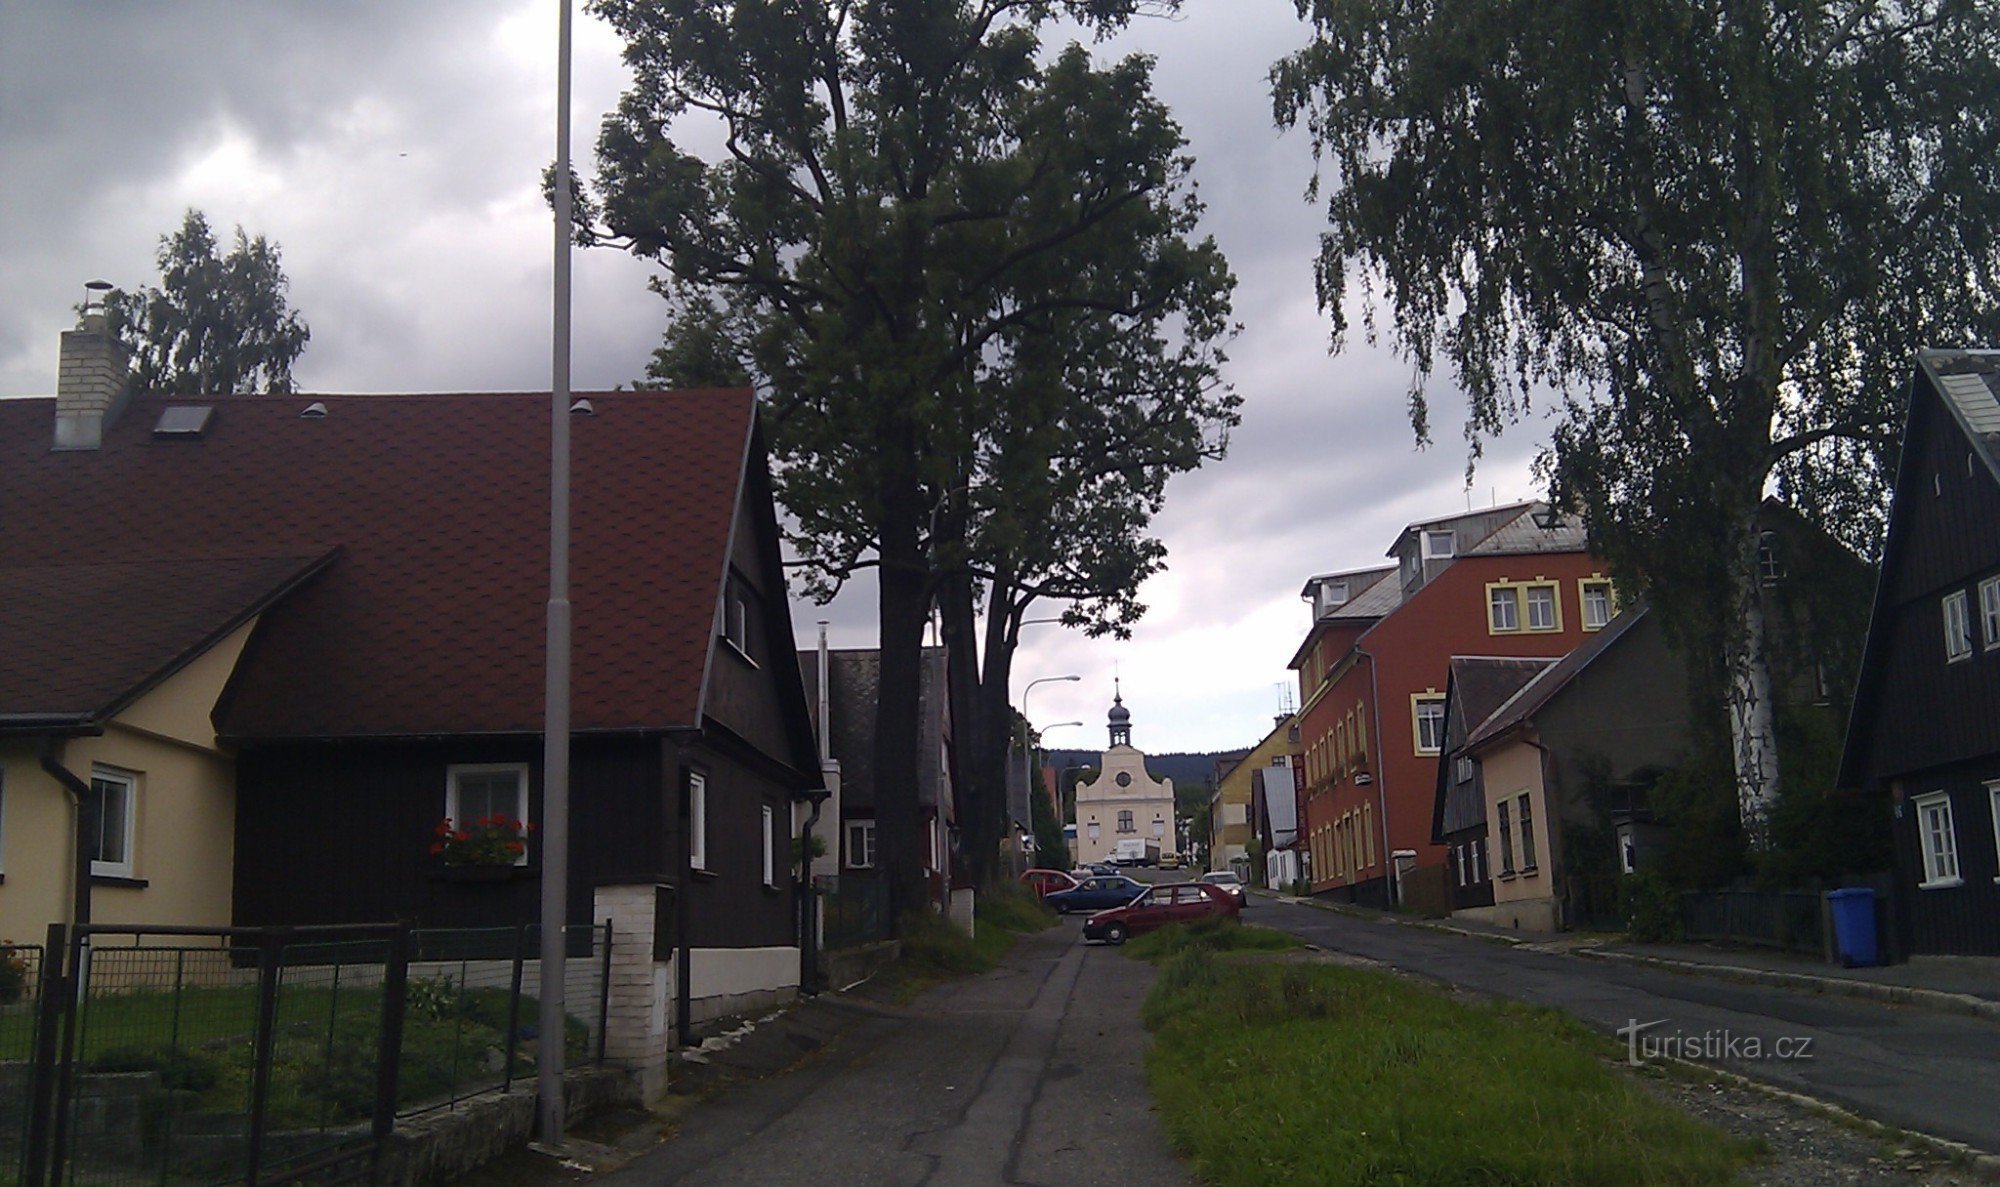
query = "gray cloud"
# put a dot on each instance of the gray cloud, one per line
(394, 151)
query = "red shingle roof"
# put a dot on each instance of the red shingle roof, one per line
(82, 641)
(431, 619)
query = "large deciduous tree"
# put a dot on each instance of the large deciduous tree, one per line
(217, 324)
(1718, 227)
(916, 232)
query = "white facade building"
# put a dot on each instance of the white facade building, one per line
(1124, 802)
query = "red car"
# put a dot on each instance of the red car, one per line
(1175, 902)
(1043, 881)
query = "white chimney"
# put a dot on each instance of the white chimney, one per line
(93, 379)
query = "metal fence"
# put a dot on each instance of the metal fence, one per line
(1791, 920)
(239, 1055)
(20, 990)
(856, 910)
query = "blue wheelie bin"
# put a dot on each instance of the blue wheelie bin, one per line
(1854, 925)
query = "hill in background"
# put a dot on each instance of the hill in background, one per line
(1183, 768)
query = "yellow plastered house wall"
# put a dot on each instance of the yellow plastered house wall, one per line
(184, 814)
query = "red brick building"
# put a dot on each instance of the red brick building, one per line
(1505, 581)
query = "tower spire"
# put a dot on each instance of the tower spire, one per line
(1120, 718)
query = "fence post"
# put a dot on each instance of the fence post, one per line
(389, 1050)
(75, 986)
(41, 1081)
(514, 1005)
(270, 954)
(604, 994)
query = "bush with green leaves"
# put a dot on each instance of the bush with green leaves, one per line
(1651, 907)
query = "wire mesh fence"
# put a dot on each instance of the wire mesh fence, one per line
(20, 986)
(1789, 920)
(189, 1056)
(856, 910)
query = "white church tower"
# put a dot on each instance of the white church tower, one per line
(1123, 803)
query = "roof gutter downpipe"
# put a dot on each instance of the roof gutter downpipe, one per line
(86, 824)
(1389, 882)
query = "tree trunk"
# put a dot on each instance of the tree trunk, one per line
(995, 709)
(974, 777)
(1753, 726)
(901, 615)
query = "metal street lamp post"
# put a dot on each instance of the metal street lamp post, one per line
(1069, 678)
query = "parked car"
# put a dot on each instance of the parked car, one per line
(1042, 882)
(1175, 902)
(1094, 894)
(1170, 861)
(1227, 880)
(1103, 867)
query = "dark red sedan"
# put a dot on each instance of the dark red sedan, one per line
(1175, 902)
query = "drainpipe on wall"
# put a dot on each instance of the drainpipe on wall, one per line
(86, 823)
(1389, 884)
(808, 903)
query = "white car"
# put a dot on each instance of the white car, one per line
(1228, 880)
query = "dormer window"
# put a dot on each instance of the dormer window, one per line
(1332, 594)
(737, 616)
(1440, 545)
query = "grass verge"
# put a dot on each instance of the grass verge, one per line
(1210, 935)
(1314, 1074)
(934, 950)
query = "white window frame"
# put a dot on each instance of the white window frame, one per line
(1525, 819)
(1440, 545)
(1957, 627)
(456, 771)
(1989, 612)
(736, 596)
(1993, 794)
(129, 782)
(1554, 607)
(861, 844)
(1602, 589)
(1941, 871)
(1125, 824)
(770, 846)
(1497, 598)
(1506, 840)
(1418, 701)
(697, 820)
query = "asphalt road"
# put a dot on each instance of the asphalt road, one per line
(1032, 1074)
(1934, 1073)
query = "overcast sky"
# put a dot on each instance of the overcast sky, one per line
(393, 150)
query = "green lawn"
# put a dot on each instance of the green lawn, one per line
(201, 1041)
(1313, 1074)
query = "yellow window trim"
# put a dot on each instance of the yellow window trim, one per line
(1416, 733)
(1519, 591)
(1611, 600)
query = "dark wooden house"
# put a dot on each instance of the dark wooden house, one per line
(1925, 728)
(403, 682)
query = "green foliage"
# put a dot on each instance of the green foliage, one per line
(964, 273)
(219, 324)
(1014, 907)
(1651, 906)
(1209, 935)
(1718, 232)
(181, 1070)
(1705, 846)
(798, 848)
(1051, 846)
(1312, 1074)
(15, 970)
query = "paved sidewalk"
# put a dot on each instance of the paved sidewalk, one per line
(1959, 985)
(1033, 1073)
